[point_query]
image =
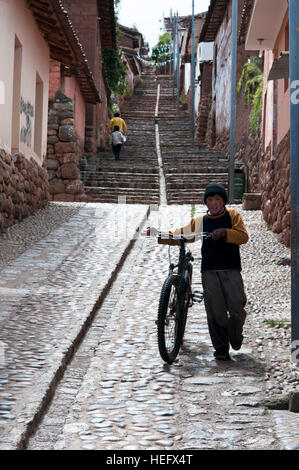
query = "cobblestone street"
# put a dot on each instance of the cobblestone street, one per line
(128, 399)
(108, 141)
(117, 393)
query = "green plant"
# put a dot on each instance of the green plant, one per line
(192, 211)
(113, 65)
(252, 79)
(127, 92)
(161, 52)
(115, 70)
(274, 323)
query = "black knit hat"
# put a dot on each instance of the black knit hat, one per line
(215, 188)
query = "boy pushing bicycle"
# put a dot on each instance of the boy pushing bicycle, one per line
(223, 288)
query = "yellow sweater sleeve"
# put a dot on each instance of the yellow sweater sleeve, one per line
(194, 226)
(238, 233)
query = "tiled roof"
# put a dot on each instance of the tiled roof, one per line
(245, 19)
(129, 31)
(58, 31)
(185, 22)
(213, 20)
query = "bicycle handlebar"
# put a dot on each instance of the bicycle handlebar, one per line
(166, 236)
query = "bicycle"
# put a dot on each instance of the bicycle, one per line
(175, 299)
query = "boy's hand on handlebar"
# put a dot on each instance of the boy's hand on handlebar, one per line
(150, 232)
(218, 233)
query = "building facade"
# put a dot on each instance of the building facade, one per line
(94, 23)
(267, 30)
(24, 56)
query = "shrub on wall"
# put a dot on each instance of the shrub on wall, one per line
(115, 70)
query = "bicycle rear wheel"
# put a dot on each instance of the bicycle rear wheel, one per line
(170, 327)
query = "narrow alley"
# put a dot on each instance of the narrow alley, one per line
(79, 291)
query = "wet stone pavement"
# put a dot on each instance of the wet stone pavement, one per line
(117, 394)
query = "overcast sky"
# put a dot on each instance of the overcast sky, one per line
(146, 14)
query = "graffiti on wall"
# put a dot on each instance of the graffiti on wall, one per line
(27, 113)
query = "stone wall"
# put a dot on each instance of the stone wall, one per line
(249, 151)
(275, 189)
(23, 187)
(270, 176)
(63, 154)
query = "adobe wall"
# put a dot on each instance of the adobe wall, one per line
(18, 107)
(220, 103)
(84, 17)
(24, 187)
(205, 100)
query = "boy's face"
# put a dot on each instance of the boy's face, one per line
(215, 204)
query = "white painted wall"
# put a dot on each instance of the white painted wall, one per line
(17, 20)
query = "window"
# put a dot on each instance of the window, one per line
(16, 98)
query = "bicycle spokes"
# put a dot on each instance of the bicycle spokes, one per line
(171, 320)
(168, 322)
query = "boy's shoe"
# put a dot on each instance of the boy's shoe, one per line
(237, 346)
(220, 356)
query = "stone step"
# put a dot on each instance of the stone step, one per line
(110, 184)
(106, 195)
(193, 169)
(124, 172)
(128, 190)
(199, 175)
(187, 167)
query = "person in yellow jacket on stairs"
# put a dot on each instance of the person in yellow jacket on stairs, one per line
(118, 121)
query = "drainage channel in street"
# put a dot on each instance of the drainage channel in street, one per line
(163, 197)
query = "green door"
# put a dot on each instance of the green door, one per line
(239, 185)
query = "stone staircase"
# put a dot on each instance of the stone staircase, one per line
(187, 168)
(136, 175)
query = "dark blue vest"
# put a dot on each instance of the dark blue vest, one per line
(218, 254)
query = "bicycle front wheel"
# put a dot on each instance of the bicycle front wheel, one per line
(170, 321)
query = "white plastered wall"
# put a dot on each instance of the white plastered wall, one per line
(17, 21)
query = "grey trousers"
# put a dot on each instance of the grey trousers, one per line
(224, 299)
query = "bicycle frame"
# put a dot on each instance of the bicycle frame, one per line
(175, 299)
(185, 261)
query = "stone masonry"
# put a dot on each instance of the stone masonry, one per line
(63, 154)
(23, 187)
(275, 190)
